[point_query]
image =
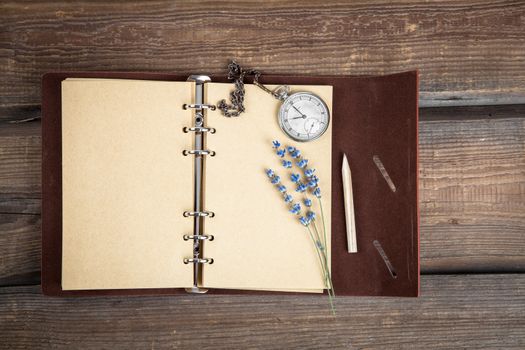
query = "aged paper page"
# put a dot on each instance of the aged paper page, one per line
(259, 244)
(125, 184)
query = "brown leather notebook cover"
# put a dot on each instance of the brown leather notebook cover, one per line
(373, 116)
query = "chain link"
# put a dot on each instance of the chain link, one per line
(236, 106)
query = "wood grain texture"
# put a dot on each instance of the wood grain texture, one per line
(472, 189)
(469, 52)
(467, 312)
(20, 157)
(19, 249)
(472, 192)
(20, 204)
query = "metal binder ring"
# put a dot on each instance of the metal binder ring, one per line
(199, 237)
(198, 213)
(198, 261)
(199, 152)
(198, 106)
(198, 129)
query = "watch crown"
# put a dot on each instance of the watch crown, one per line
(281, 92)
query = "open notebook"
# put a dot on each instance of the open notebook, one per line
(126, 184)
(115, 184)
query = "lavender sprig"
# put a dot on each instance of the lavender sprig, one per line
(306, 183)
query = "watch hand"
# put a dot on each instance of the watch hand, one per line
(302, 115)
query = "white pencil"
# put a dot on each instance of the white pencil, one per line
(349, 206)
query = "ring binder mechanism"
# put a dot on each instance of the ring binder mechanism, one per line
(199, 105)
(199, 151)
(198, 261)
(208, 237)
(199, 129)
(199, 213)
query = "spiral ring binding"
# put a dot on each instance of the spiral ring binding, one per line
(199, 152)
(198, 129)
(198, 260)
(198, 213)
(198, 106)
(199, 237)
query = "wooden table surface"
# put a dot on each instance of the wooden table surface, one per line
(471, 55)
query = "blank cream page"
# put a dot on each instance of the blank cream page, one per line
(259, 244)
(125, 184)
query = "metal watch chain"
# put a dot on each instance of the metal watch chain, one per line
(236, 106)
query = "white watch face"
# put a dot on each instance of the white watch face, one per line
(304, 116)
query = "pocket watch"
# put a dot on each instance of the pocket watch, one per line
(303, 116)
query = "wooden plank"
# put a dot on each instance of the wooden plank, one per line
(471, 113)
(472, 190)
(20, 204)
(20, 156)
(468, 52)
(467, 312)
(19, 249)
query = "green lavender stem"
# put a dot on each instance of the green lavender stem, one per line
(322, 216)
(314, 241)
(324, 260)
(326, 273)
(324, 253)
(328, 276)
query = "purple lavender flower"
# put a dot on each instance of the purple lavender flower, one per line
(302, 163)
(287, 164)
(270, 173)
(311, 184)
(276, 144)
(304, 221)
(295, 178)
(301, 187)
(291, 149)
(276, 179)
(310, 215)
(317, 192)
(288, 198)
(308, 202)
(296, 209)
(309, 172)
(296, 153)
(281, 152)
(282, 188)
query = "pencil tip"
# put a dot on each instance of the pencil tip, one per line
(346, 165)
